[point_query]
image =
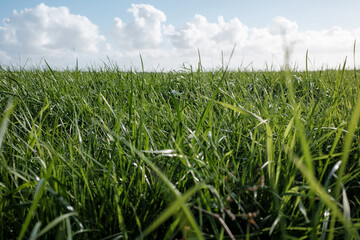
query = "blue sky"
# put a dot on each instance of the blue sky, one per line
(169, 33)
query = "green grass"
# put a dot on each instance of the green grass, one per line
(106, 154)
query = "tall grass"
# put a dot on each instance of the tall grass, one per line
(106, 154)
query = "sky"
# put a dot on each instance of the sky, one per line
(171, 35)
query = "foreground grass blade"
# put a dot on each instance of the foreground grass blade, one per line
(242, 110)
(55, 222)
(34, 232)
(38, 194)
(170, 210)
(5, 120)
(319, 190)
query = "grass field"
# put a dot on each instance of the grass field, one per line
(106, 154)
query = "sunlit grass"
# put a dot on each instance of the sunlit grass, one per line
(106, 154)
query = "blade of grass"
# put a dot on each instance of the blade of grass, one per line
(322, 194)
(4, 123)
(170, 210)
(37, 196)
(35, 231)
(55, 222)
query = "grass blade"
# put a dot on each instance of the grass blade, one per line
(38, 194)
(170, 210)
(8, 111)
(55, 222)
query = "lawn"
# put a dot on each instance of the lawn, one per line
(110, 154)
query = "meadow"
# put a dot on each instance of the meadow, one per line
(110, 154)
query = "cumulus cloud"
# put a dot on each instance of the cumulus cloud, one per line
(261, 45)
(199, 33)
(332, 40)
(48, 32)
(221, 35)
(282, 26)
(145, 32)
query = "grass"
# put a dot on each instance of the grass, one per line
(106, 154)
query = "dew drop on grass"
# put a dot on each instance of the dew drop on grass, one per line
(70, 208)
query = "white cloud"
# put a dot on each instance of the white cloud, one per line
(48, 32)
(201, 34)
(261, 45)
(332, 40)
(144, 32)
(282, 26)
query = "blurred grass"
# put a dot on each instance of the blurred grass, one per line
(106, 154)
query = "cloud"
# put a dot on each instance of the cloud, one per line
(282, 26)
(222, 35)
(332, 40)
(199, 33)
(48, 32)
(145, 32)
(260, 45)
